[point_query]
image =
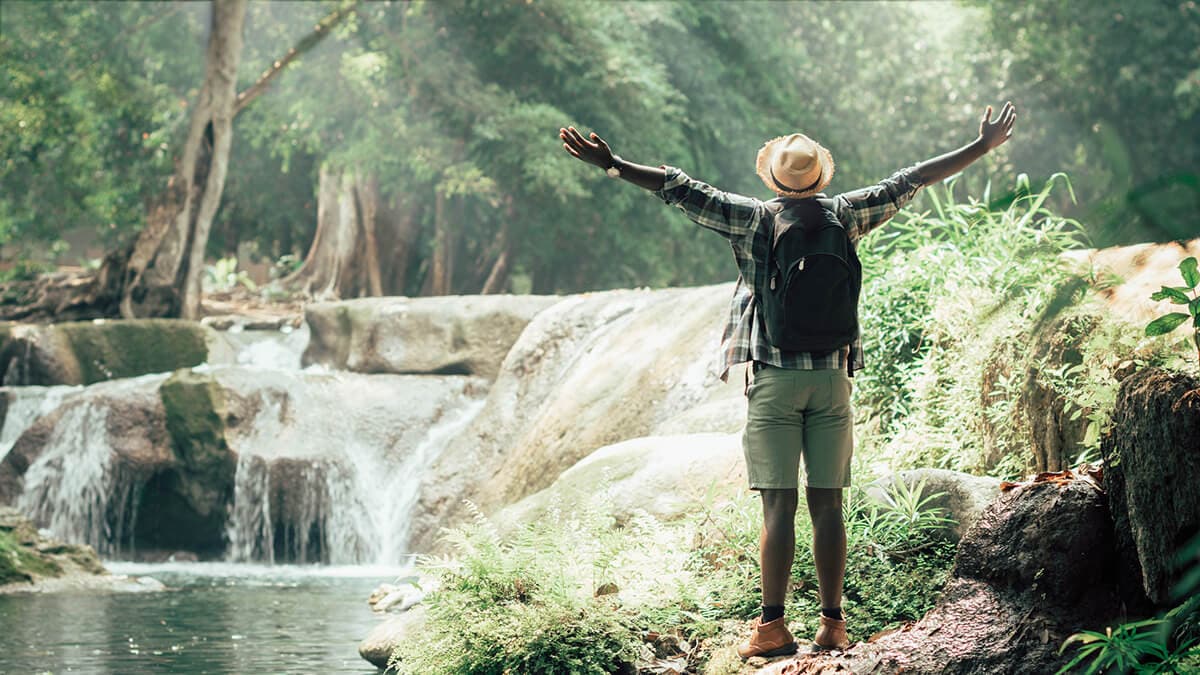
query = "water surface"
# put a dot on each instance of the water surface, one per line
(217, 618)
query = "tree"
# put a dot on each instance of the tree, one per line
(162, 275)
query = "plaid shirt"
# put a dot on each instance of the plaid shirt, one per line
(748, 224)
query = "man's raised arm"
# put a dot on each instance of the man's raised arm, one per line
(597, 152)
(991, 135)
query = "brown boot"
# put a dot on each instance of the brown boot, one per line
(831, 635)
(768, 639)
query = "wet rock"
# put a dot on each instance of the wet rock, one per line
(452, 335)
(1152, 467)
(962, 496)
(86, 352)
(593, 370)
(377, 647)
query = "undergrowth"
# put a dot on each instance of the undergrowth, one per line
(974, 323)
(576, 593)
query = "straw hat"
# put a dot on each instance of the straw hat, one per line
(794, 166)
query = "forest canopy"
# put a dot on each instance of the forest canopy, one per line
(443, 118)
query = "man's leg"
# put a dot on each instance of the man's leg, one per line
(829, 546)
(777, 544)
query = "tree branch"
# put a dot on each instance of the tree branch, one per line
(323, 28)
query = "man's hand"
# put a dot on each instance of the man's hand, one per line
(994, 134)
(594, 151)
(991, 135)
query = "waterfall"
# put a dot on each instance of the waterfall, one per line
(74, 488)
(25, 405)
(350, 504)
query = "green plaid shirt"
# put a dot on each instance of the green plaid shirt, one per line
(748, 224)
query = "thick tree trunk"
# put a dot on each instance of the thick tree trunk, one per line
(343, 261)
(162, 276)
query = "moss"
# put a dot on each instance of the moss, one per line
(191, 498)
(19, 563)
(116, 349)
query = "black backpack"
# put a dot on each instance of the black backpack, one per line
(809, 299)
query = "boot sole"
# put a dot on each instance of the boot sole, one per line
(833, 648)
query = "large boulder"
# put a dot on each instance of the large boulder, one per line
(451, 335)
(1038, 566)
(1152, 468)
(665, 476)
(962, 497)
(592, 370)
(86, 352)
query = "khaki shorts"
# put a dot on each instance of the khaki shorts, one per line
(799, 413)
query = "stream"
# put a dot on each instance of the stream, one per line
(214, 618)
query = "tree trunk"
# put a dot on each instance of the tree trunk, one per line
(442, 258)
(497, 279)
(368, 209)
(162, 276)
(343, 261)
(400, 227)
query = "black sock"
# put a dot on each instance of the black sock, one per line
(771, 612)
(832, 612)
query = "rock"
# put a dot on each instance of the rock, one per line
(384, 637)
(665, 476)
(85, 352)
(1053, 436)
(1037, 566)
(1151, 469)
(591, 371)
(963, 496)
(27, 559)
(451, 335)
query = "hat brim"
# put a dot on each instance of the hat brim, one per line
(762, 166)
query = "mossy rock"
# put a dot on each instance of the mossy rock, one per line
(115, 349)
(86, 352)
(18, 563)
(185, 507)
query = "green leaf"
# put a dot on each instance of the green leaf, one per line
(1176, 295)
(1191, 275)
(1194, 307)
(1165, 324)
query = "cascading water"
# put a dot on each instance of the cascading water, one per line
(77, 488)
(328, 464)
(340, 490)
(24, 405)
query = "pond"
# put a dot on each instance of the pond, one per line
(215, 618)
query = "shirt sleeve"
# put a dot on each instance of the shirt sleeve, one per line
(867, 208)
(730, 215)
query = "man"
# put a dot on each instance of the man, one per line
(799, 402)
